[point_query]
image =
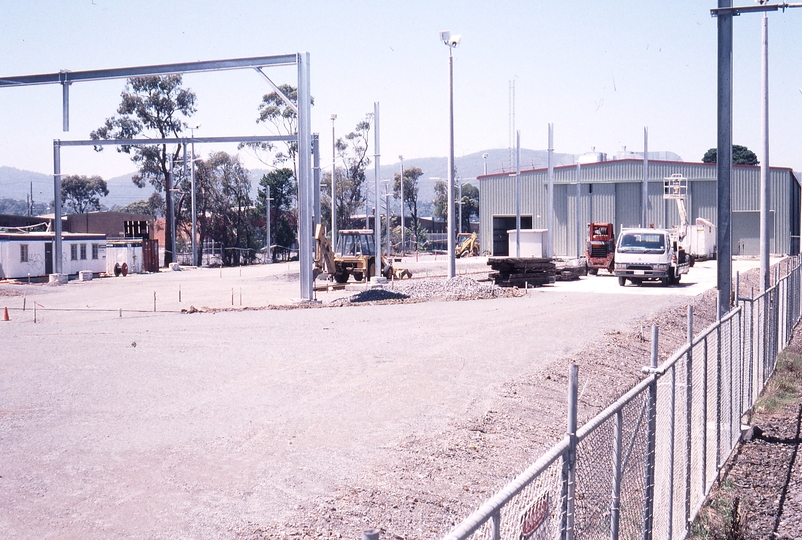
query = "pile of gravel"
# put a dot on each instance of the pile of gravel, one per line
(371, 295)
(456, 288)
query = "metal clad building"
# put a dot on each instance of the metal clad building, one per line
(610, 191)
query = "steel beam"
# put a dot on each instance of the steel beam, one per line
(177, 140)
(66, 77)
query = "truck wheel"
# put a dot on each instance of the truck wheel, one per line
(358, 276)
(664, 281)
(341, 277)
(622, 281)
(593, 271)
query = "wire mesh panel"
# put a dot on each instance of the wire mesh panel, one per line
(535, 513)
(701, 394)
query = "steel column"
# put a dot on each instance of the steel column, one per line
(377, 237)
(305, 177)
(316, 176)
(764, 163)
(724, 158)
(57, 203)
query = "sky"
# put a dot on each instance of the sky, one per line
(599, 71)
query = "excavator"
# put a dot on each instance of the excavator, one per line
(467, 245)
(355, 256)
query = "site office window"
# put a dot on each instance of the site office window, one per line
(95, 249)
(23, 253)
(73, 252)
(83, 252)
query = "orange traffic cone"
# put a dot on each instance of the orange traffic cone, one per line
(5, 314)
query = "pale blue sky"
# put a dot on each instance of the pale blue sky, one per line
(600, 71)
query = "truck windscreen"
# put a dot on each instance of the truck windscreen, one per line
(642, 242)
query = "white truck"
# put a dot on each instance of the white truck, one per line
(649, 255)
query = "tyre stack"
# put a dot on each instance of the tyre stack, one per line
(522, 272)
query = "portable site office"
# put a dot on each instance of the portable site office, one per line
(24, 255)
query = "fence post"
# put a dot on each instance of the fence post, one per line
(704, 416)
(569, 459)
(672, 398)
(688, 419)
(615, 503)
(648, 500)
(718, 395)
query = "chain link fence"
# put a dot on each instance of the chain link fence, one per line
(643, 466)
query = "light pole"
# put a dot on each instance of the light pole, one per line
(333, 185)
(403, 246)
(451, 42)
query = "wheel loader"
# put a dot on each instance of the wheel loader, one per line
(355, 256)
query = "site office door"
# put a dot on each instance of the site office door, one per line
(48, 258)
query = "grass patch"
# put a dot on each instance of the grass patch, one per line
(720, 517)
(783, 387)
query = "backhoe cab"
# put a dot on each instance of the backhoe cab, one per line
(355, 255)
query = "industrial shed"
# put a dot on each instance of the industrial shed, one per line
(610, 192)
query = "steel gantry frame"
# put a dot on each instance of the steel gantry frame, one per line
(303, 136)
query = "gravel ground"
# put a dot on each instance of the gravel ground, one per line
(402, 417)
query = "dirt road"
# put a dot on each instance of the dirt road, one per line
(232, 424)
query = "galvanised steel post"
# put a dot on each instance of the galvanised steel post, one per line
(305, 177)
(718, 395)
(705, 392)
(688, 419)
(615, 503)
(194, 203)
(268, 236)
(648, 499)
(518, 194)
(645, 185)
(550, 209)
(671, 426)
(316, 177)
(452, 265)
(764, 163)
(377, 237)
(724, 157)
(333, 185)
(57, 204)
(403, 245)
(570, 478)
(579, 232)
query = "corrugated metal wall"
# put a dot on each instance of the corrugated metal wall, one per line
(611, 192)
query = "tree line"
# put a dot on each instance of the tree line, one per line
(160, 107)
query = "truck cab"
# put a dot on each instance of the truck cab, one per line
(649, 255)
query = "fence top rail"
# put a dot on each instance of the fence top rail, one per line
(478, 518)
(771, 289)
